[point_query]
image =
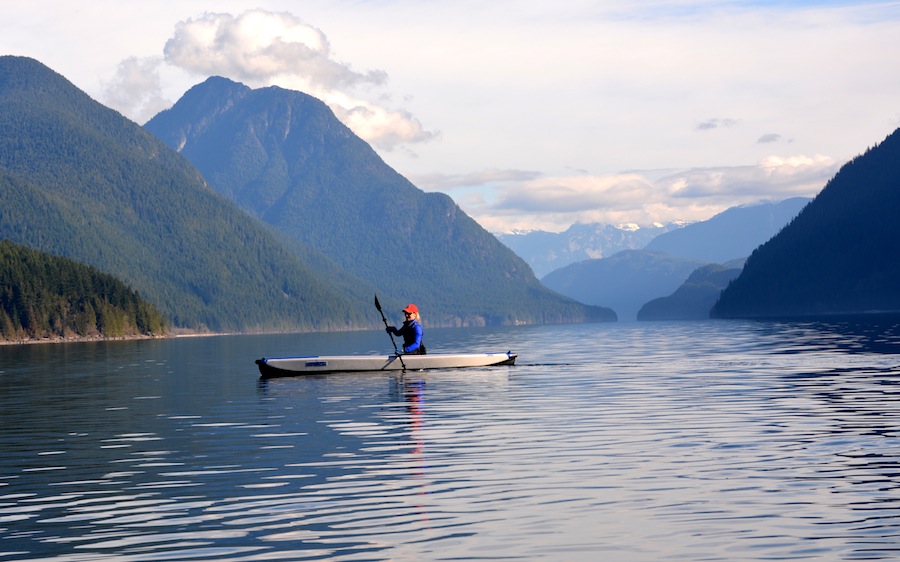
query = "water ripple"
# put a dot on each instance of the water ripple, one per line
(634, 442)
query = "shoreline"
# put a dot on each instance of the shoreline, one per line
(82, 339)
(170, 335)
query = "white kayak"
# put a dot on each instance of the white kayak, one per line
(290, 366)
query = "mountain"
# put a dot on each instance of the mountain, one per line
(694, 298)
(624, 281)
(283, 156)
(81, 181)
(546, 251)
(839, 256)
(732, 234)
(44, 296)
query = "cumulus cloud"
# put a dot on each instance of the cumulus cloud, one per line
(262, 48)
(555, 203)
(258, 46)
(136, 89)
(383, 127)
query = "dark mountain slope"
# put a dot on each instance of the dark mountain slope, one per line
(81, 181)
(839, 256)
(694, 298)
(283, 156)
(732, 234)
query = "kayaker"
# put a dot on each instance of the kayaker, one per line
(411, 331)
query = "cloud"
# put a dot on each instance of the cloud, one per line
(262, 48)
(257, 46)
(554, 203)
(383, 127)
(451, 182)
(715, 124)
(772, 177)
(135, 90)
(770, 137)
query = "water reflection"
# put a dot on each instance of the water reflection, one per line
(633, 442)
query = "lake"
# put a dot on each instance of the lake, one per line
(717, 440)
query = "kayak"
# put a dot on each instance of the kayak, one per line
(290, 366)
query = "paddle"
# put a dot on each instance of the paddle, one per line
(396, 352)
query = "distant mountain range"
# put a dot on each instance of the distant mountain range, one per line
(731, 234)
(695, 297)
(81, 181)
(624, 281)
(839, 256)
(628, 280)
(547, 251)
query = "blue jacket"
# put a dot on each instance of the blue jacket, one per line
(411, 331)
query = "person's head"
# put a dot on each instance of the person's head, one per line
(411, 312)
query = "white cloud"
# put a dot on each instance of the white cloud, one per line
(554, 203)
(258, 46)
(136, 89)
(262, 48)
(451, 182)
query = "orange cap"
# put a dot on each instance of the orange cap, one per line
(412, 309)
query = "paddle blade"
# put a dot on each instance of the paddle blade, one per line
(377, 304)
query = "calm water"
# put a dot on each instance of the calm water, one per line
(639, 441)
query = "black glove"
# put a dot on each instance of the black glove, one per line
(389, 329)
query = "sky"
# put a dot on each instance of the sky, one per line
(529, 114)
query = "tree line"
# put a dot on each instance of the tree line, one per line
(46, 296)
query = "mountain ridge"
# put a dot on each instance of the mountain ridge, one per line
(838, 256)
(732, 234)
(547, 251)
(284, 157)
(122, 201)
(623, 281)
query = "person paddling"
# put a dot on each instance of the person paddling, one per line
(411, 331)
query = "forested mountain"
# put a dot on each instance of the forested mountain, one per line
(624, 281)
(732, 234)
(694, 298)
(44, 296)
(839, 256)
(546, 251)
(81, 181)
(284, 157)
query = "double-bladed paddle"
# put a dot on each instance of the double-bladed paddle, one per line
(396, 351)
